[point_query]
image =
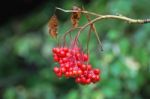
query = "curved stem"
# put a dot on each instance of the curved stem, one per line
(100, 17)
(95, 31)
(129, 20)
(89, 35)
(82, 11)
(70, 30)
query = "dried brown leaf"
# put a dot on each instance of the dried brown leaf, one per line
(75, 16)
(53, 26)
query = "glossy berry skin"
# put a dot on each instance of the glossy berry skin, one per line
(73, 63)
(56, 69)
(96, 71)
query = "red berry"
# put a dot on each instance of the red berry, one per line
(96, 71)
(56, 58)
(62, 53)
(89, 75)
(77, 55)
(62, 65)
(79, 64)
(97, 78)
(85, 57)
(71, 64)
(54, 50)
(70, 73)
(59, 74)
(65, 49)
(56, 69)
(70, 69)
(85, 72)
(68, 54)
(83, 80)
(83, 67)
(61, 61)
(79, 72)
(88, 80)
(57, 50)
(74, 72)
(63, 69)
(78, 80)
(67, 74)
(65, 60)
(67, 66)
(89, 67)
(93, 77)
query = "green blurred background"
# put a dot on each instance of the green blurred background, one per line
(26, 64)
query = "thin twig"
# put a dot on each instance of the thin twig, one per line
(95, 31)
(130, 20)
(82, 11)
(100, 17)
(89, 35)
(68, 32)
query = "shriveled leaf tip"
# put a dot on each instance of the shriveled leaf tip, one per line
(53, 26)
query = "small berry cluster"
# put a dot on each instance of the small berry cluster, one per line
(74, 64)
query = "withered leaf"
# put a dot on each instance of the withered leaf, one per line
(75, 16)
(53, 26)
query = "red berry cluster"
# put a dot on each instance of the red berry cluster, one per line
(74, 64)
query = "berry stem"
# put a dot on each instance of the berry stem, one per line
(100, 17)
(68, 32)
(92, 26)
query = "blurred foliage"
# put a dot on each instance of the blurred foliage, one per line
(26, 60)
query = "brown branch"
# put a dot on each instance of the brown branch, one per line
(129, 20)
(101, 17)
(82, 11)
